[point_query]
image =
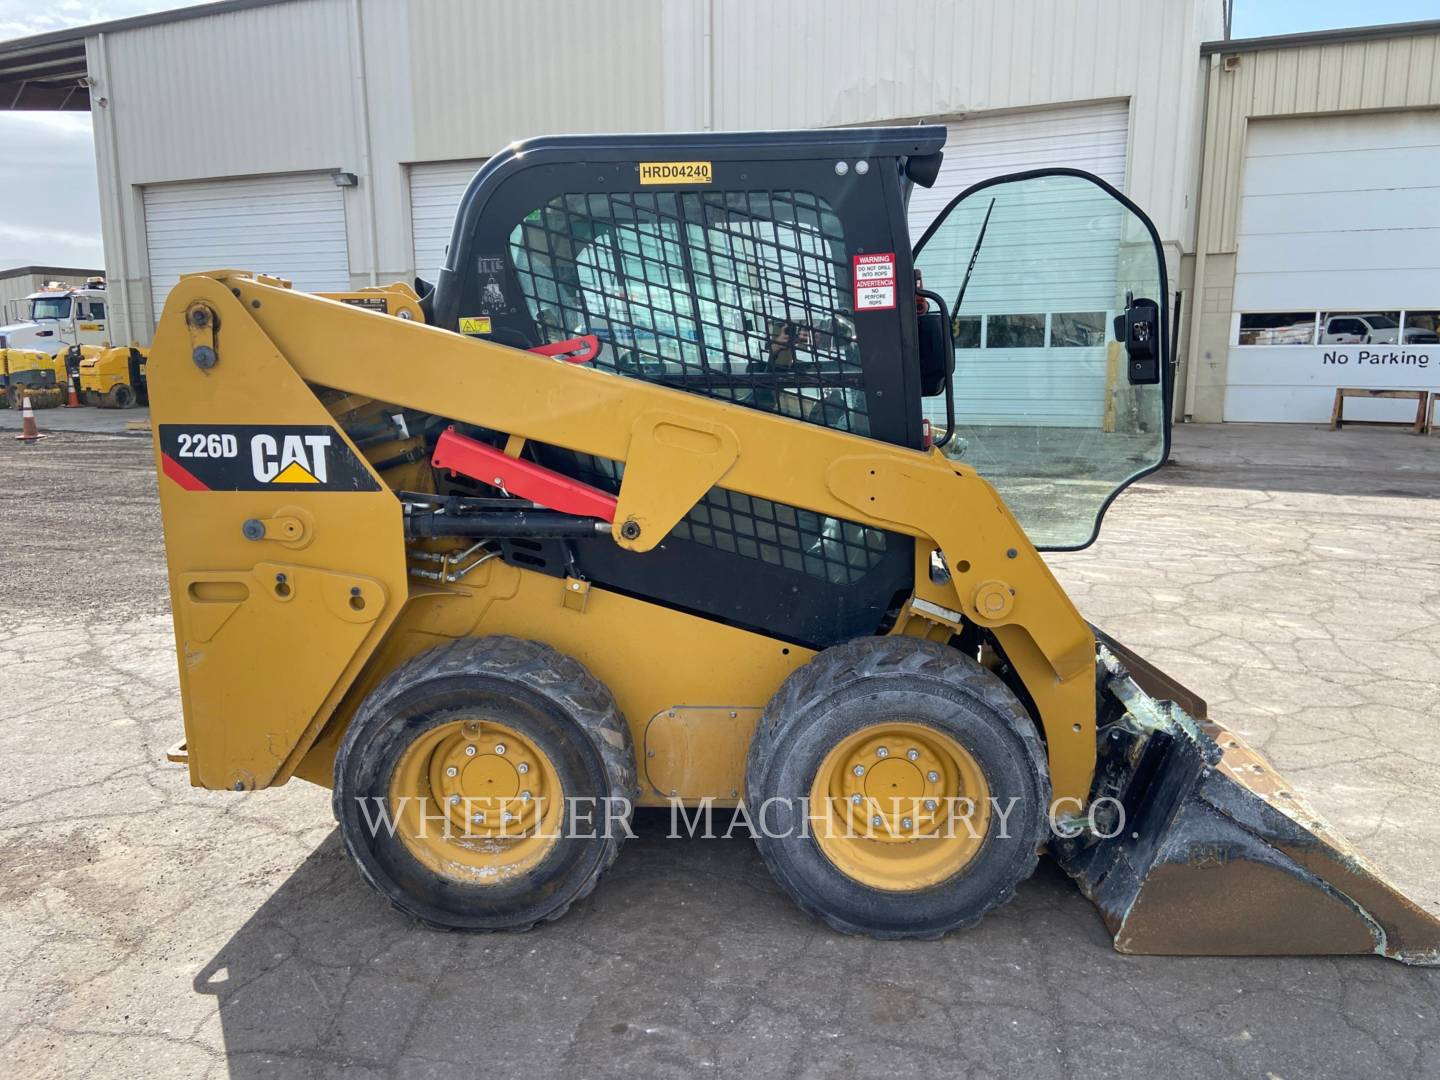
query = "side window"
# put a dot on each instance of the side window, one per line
(97, 309)
(735, 295)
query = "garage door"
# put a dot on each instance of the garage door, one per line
(1089, 137)
(435, 190)
(1337, 265)
(290, 226)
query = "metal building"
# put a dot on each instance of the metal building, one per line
(1318, 253)
(327, 141)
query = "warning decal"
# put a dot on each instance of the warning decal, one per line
(261, 457)
(875, 281)
(475, 324)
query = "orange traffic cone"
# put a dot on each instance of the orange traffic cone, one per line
(74, 401)
(29, 431)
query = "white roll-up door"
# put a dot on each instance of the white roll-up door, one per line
(1339, 216)
(1089, 137)
(290, 226)
(435, 190)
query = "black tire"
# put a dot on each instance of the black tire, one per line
(120, 396)
(550, 698)
(855, 685)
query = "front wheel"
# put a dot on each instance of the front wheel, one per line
(897, 789)
(485, 784)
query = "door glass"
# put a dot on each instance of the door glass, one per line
(1044, 407)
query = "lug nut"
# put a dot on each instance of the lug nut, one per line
(524, 796)
(469, 751)
(880, 751)
(857, 798)
(930, 804)
(859, 770)
(454, 800)
(877, 821)
(500, 748)
(522, 768)
(506, 816)
(478, 818)
(452, 771)
(933, 776)
(913, 754)
(906, 823)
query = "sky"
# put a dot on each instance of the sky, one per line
(49, 206)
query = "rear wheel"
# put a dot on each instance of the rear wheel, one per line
(120, 396)
(485, 784)
(898, 788)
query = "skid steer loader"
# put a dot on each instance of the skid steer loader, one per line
(674, 491)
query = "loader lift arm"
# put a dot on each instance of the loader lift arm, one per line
(675, 447)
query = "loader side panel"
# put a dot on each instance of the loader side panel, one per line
(285, 550)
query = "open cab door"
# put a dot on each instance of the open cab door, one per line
(1056, 287)
(1192, 844)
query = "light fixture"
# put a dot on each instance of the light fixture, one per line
(345, 179)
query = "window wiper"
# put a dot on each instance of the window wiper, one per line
(975, 254)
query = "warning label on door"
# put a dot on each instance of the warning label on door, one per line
(875, 281)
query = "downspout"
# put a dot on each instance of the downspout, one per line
(362, 94)
(1202, 239)
(120, 314)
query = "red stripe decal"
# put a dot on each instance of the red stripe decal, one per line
(180, 474)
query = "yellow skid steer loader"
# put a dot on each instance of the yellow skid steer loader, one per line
(691, 482)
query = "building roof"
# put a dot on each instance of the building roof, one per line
(49, 272)
(1322, 37)
(47, 71)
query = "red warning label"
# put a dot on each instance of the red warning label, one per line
(875, 281)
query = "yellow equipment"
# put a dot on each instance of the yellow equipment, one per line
(111, 378)
(640, 507)
(36, 375)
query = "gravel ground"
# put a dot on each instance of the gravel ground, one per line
(1292, 576)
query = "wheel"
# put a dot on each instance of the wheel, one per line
(12, 397)
(120, 396)
(486, 784)
(926, 782)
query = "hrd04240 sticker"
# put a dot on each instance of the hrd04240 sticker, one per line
(875, 281)
(261, 457)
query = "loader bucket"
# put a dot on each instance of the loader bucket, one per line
(1218, 856)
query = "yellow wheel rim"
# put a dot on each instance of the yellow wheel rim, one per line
(476, 802)
(900, 807)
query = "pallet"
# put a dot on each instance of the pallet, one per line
(1420, 397)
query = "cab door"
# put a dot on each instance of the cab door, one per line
(1059, 308)
(90, 322)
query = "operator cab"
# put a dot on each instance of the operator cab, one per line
(774, 270)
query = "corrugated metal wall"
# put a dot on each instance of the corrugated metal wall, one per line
(259, 91)
(375, 86)
(1388, 73)
(815, 63)
(486, 74)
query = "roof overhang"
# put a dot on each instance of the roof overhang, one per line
(1322, 37)
(48, 71)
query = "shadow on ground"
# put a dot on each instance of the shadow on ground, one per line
(688, 960)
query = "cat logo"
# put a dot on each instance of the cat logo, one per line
(289, 459)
